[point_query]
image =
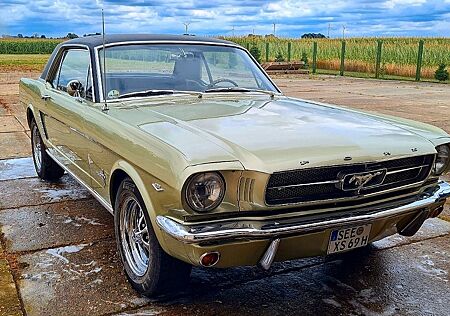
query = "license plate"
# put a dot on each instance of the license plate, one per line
(348, 238)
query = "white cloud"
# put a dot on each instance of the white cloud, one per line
(217, 17)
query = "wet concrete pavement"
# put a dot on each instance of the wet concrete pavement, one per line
(58, 257)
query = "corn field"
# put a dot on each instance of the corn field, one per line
(398, 58)
(399, 55)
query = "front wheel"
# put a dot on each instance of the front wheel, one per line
(46, 168)
(148, 268)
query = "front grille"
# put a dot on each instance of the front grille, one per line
(318, 184)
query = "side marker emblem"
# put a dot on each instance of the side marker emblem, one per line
(157, 187)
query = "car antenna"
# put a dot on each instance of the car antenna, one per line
(105, 105)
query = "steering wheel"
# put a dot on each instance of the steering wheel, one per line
(215, 82)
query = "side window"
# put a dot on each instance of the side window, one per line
(75, 66)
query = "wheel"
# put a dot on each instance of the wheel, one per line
(148, 268)
(46, 167)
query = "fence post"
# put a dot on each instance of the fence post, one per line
(314, 62)
(419, 60)
(267, 51)
(377, 66)
(342, 58)
(289, 51)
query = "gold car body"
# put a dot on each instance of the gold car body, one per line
(161, 141)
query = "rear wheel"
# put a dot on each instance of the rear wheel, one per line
(148, 268)
(46, 167)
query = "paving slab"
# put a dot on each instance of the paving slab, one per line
(14, 145)
(51, 225)
(413, 281)
(9, 123)
(40, 192)
(17, 168)
(432, 228)
(83, 279)
(9, 300)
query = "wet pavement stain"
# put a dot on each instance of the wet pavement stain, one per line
(17, 168)
(81, 279)
(49, 225)
(40, 192)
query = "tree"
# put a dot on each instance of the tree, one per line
(71, 35)
(43, 36)
(313, 35)
(256, 53)
(19, 35)
(441, 73)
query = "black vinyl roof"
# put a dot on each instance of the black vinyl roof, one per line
(97, 40)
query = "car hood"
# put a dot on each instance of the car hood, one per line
(273, 134)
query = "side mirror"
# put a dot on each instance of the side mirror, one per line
(74, 88)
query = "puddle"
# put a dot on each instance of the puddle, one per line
(11, 169)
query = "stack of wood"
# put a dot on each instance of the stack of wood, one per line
(285, 67)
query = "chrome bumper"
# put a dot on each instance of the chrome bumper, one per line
(427, 201)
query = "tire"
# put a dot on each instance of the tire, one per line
(148, 268)
(46, 168)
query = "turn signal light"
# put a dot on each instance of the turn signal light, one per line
(209, 259)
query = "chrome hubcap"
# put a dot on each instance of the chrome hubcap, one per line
(37, 154)
(134, 236)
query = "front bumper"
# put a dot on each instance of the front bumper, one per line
(249, 241)
(430, 200)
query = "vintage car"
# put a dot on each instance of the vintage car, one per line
(203, 161)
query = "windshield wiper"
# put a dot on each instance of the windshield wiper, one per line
(230, 89)
(237, 89)
(149, 93)
(146, 93)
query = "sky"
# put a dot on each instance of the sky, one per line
(233, 17)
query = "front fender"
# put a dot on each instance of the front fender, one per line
(143, 183)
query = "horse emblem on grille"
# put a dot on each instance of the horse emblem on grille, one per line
(363, 180)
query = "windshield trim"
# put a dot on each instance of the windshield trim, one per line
(97, 57)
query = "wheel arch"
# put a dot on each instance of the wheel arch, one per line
(30, 114)
(120, 171)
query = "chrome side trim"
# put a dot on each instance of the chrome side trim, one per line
(267, 259)
(194, 234)
(95, 194)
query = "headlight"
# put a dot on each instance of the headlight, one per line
(442, 159)
(205, 191)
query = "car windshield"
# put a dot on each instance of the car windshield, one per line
(146, 70)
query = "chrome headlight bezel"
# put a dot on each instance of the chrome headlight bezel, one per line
(196, 199)
(442, 161)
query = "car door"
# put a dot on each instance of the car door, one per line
(63, 114)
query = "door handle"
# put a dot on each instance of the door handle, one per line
(45, 97)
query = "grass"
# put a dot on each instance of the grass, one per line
(366, 75)
(29, 62)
